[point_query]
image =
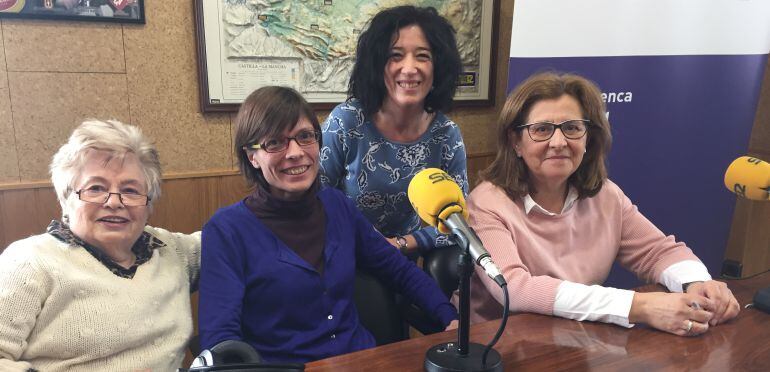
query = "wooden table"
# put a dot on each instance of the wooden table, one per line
(543, 343)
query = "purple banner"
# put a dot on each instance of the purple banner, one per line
(677, 123)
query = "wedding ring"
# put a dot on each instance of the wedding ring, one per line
(689, 326)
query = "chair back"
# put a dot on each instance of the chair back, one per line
(387, 315)
(441, 265)
(378, 310)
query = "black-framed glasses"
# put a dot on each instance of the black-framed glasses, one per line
(101, 197)
(543, 131)
(303, 138)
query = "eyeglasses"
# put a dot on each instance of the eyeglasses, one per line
(303, 138)
(128, 199)
(543, 131)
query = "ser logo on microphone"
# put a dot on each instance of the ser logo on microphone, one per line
(440, 176)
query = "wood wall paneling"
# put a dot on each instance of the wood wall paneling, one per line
(749, 241)
(9, 162)
(186, 203)
(26, 212)
(477, 162)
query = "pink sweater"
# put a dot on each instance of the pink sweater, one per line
(536, 252)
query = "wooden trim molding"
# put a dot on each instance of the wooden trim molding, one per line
(170, 176)
(481, 155)
(25, 185)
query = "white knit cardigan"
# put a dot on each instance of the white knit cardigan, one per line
(63, 310)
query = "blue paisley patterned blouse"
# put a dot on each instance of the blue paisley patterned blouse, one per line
(375, 172)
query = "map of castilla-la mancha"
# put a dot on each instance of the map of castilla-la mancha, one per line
(322, 34)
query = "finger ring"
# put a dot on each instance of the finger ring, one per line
(689, 326)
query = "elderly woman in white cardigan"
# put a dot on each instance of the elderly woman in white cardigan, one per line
(100, 290)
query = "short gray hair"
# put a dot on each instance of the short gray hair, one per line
(111, 136)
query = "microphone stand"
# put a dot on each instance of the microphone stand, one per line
(462, 355)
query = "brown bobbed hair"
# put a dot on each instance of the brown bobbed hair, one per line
(510, 172)
(267, 113)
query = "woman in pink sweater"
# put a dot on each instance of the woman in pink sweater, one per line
(555, 224)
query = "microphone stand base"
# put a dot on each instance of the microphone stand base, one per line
(444, 358)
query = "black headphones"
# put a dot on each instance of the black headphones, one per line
(232, 355)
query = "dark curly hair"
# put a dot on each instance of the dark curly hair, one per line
(367, 81)
(266, 113)
(510, 172)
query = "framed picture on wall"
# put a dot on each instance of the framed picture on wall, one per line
(310, 46)
(126, 11)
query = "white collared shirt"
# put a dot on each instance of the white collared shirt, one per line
(529, 203)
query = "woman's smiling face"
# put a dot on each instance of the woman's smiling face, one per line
(111, 224)
(553, 161)
(409, 70)
(292, 171)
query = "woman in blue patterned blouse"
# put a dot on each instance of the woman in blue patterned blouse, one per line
(392, 126)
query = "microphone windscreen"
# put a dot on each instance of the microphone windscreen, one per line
(431, 192)
(749, 178)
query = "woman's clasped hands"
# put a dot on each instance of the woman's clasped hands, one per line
(705, 304)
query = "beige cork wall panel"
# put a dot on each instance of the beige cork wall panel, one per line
(9, 164)
(232, 117)
(56, 46)
(163, 85)
(475, 125)
(48, 106)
